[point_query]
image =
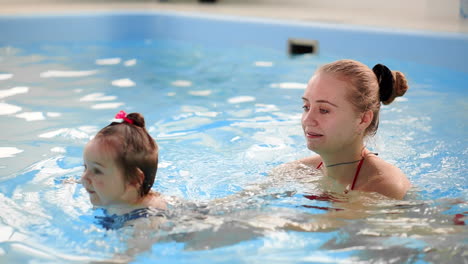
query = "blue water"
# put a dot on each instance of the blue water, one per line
(223, 120)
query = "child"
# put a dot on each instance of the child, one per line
(120, 165)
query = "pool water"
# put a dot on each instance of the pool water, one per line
(224, 118)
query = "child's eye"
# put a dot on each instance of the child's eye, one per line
(324, 111)
(97, 171)
(306, 108)
(84, 167)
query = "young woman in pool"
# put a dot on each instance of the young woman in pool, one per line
(120, 165)
(341, 108)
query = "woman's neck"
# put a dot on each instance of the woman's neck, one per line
(338, 165)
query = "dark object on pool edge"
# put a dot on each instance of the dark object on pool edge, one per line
(302, 46)
(207, 1)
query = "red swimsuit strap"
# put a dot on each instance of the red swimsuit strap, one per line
(355, 175)
(320, 165)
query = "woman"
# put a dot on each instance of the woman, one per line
(341, 108)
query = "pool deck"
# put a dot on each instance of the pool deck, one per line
(361, 17)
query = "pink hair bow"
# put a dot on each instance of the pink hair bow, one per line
(122, 117)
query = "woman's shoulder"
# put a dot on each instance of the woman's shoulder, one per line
(304, 163)
(312, 161)
(382, 167)
(385, 178)
(295, 169)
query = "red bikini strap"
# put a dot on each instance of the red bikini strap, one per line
(357, 173)
(320, 165)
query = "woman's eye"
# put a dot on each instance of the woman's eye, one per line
(306, 108)
(96, 171)
(84, 167)
(324, 111)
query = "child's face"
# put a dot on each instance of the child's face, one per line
(102, 178)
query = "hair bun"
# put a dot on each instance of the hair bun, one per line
(137, 118)
(391, 83)
(401, 85)
(385, 80)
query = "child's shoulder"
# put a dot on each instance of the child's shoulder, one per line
(156, 201)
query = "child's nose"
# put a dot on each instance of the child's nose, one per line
(85, 179)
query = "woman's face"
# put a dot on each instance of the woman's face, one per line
(102, 178)
(329, 121)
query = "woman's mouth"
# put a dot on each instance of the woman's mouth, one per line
(313, 135)
(90, 192)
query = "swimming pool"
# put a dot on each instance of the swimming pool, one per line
(222, 98)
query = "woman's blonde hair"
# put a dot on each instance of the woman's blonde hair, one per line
(370, 86)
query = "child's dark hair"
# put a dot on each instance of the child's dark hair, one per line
(134, 149)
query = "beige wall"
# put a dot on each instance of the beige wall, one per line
(420, 8)
(425, 9)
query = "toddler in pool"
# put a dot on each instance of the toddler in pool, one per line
(120, 165)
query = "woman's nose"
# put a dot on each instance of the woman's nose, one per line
(308, 118)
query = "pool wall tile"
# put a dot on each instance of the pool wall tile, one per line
(344, 41)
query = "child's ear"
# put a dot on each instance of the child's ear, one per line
(140, 177)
